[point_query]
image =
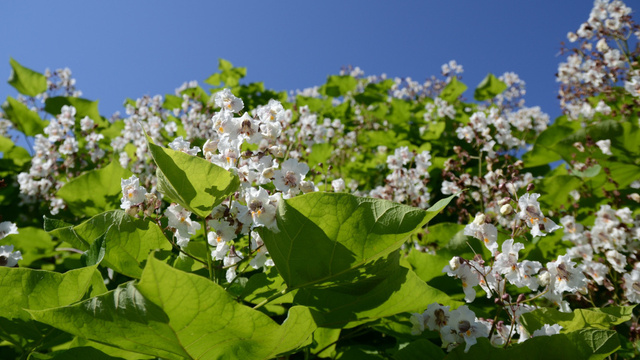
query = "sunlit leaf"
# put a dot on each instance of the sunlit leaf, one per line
(192, 182)
(176, 315)
(26, 81)
(95, 191)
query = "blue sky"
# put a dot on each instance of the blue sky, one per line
(119, 49)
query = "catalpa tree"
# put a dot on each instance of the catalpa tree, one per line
(367, 217)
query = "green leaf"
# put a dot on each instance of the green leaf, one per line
(599, 318)
(557, 188)
(14, 158)
(95, 191)
(23, 289)
(75, 353)
(340, 85)
(109, 350)
(592, 344)
(172, 102)
(320, 153)
(590, 172)
(325, 339)
(488, 88)
(51, 224)
(96, 252)
(265, 285)
(420, 349)
(427, 266)
(378, 289)
(170, 314)
(324, 235)
(453, 90)
(83, 107)
(228, 74)
(23, 118)
(26, 81)
(374, 92)
(192, 182)
(33, 243)
(128, 241)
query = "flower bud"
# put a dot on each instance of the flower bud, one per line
(479, 220)
(544, 278)
(506, 209)
(307, 186)
(635, 197)
(454, 263)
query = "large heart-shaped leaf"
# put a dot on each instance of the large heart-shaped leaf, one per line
(95, 191)
(593, 344)
(384, 289)
(23, 288)
(128, 241)
(24, 119)
(25, 80)
(323, 236)
(176, 315)
(601, 318)
(192, 182)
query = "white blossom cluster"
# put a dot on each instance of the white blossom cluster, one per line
(407, 181)
(8, 257)
(601, 59)
(555, 278)
(610, 245)
(56, 153)
(266, 132)
(486, 129)
(461, 326)
(60, 83)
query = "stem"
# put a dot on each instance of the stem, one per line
(270, 298)
(348, 336)
(71, 250)
(530, 299)
(495, 321)
(480, 177)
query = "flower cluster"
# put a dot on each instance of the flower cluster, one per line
(608, 247)
(554, 279)
(406, 184)
(8, 257)
(601, 59)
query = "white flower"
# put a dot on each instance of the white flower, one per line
(260, 249)
(226, 100)
(465, 325)
(8, 257)
(487, 233)
(290, 175)
(222, 233)
(547, 330)
(180, 219)
(605, 146)
(632, 286)
(262, 207)
(230, 260)
(530, 212)
(564, 276)
(132, 192)
(182, 145)
(467, 272)
(436, 316)
(86, 124)
(338, 185)
(7, 228)
(69, 146)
